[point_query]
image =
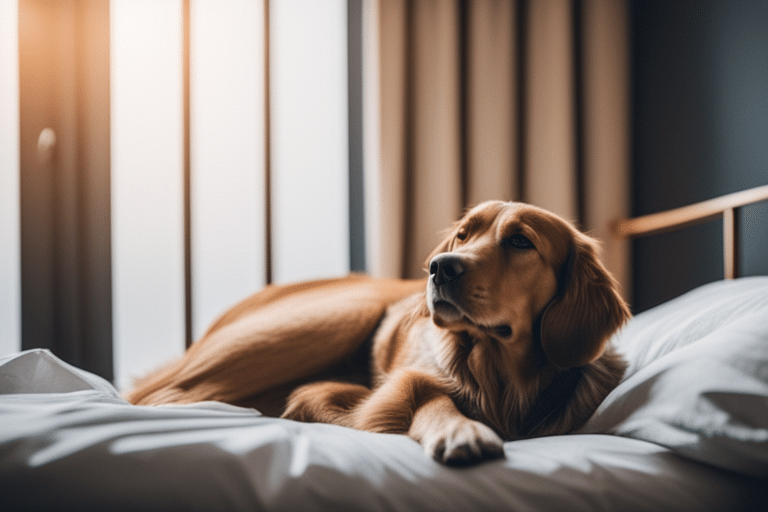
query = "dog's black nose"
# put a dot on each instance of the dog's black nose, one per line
(445, 268)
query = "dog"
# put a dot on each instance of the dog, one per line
(508, 338)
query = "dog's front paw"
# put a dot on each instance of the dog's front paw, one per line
(462, 442)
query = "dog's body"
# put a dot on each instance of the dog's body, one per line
(508, 341)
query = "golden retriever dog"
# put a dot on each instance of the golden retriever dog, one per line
(507, 338)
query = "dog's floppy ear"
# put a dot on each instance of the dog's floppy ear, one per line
(586, 311)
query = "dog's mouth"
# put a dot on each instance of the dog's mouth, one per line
(443, 306)
(446, 311)
(449, 313)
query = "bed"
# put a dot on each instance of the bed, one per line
(686, 429)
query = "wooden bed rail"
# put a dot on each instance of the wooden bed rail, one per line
(726, 206)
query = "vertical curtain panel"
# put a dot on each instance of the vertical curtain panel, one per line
(495, 99)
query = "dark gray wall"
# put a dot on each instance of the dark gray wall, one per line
(700, 130)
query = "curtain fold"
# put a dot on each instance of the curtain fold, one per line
(433, 127)
(522, 100)
(492, 89)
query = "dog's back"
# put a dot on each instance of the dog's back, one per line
(263, 347)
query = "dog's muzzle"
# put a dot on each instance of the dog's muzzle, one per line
(445, 272)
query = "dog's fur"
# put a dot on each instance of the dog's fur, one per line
(507, 339)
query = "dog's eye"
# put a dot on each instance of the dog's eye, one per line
(462, 234)
(519, 242)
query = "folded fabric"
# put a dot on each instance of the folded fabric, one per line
(698, 377)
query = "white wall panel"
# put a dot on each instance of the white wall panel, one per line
(147, 184)
(10, 265)
(227, 153)
(309, 139)
(376, 251)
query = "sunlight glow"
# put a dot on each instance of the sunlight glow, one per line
(10, 264)
(147, 185)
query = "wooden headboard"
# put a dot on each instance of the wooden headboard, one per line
(726, 206)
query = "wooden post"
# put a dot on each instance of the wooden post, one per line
(731, 243)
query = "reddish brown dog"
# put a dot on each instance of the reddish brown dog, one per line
(506, 339)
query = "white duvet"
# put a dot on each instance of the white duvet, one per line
(686, 430)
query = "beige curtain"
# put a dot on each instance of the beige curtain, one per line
(497, 99)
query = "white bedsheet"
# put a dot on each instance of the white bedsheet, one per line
(69, 442)
(87, 449)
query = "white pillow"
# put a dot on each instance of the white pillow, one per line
(39, 371)
(697, 381)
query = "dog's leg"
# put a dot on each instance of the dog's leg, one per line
(387, 409)
(408, 402)
(325, 402)
(278, 336)
(417, 404)
(449, 437)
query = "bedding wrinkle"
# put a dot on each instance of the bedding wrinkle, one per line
(299, 457)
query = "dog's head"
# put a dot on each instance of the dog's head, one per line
(522, 278)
